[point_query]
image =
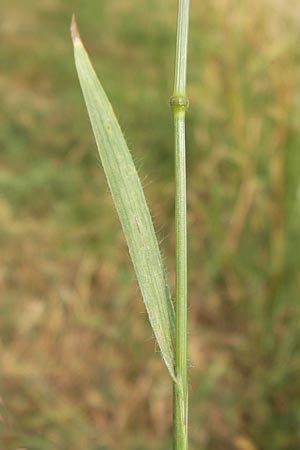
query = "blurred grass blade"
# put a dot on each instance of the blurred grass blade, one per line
(130, 203)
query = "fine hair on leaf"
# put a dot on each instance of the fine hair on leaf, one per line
(130, 203)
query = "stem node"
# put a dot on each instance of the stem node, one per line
(179, 103)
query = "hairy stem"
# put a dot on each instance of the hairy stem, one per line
(179, 105)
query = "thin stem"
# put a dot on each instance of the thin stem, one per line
(181, 48)
(179, 104)
(180, 388)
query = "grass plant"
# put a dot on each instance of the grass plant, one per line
(135, 218)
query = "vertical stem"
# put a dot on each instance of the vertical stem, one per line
(181, 48)
(180, 388)
(179, 104)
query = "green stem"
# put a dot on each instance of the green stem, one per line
(179, 105)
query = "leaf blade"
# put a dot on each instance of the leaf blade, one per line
(130, 203)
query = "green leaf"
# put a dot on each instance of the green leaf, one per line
(130, 203)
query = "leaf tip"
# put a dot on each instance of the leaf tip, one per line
(74, 30)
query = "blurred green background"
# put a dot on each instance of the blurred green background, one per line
(79, 367)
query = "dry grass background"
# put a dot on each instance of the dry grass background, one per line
(78, 366)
